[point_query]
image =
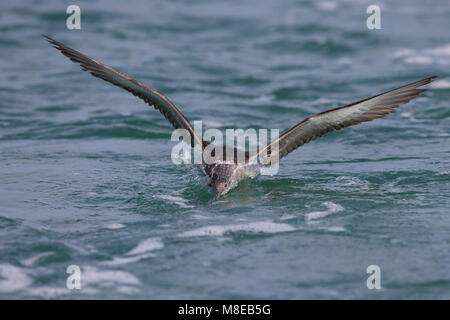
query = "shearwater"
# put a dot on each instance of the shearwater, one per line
(222, 175)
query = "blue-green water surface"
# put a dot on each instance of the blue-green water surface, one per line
(86, 176)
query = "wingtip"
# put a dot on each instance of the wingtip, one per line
(425, 81)
(430, 79)
(51, 41)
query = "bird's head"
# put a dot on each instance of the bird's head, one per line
(220, 188)
(221, 180)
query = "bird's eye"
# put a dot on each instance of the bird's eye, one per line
(226, 185)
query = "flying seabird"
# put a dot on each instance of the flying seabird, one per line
(223, 176)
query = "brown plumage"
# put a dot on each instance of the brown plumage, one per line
(352, 114)
(149, 95)
(224, 176)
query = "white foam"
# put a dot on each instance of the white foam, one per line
(438, 55)
(326, 5)
(115, 226)
(268, 171)
(321, 101)
(211, 123)
(92, 275)
(264, 98)
(403, 53)
(54, 292)
(288, 217)
(419, 60)
(127, 290)
(353, 181)
(440, 51)
(181, 202)
(440, 84)
(146, 246)
(13, 278)
(48, 292)
(335, 229)
(254, 227)
(344, 61)
(199, 217)
(139, 253)
(332, 208)
(33, 260)
(117, 261)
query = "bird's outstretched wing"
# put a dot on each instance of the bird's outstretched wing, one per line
(149, 95)
(355, 113)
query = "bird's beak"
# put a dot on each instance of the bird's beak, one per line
(217, 195)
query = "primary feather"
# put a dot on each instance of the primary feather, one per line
(149, 95)
(352, 114)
